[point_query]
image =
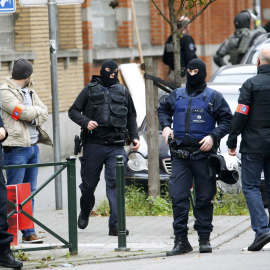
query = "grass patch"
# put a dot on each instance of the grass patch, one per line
(230, 205)
(137, 203)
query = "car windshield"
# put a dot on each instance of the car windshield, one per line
(233, 78)
(252, 58)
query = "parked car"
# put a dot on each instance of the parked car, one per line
(236, 74)
(251, 55)
(137, 168)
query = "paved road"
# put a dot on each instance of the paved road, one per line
(228, 256)
(150, 237)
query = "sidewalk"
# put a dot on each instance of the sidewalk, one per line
(149, 236)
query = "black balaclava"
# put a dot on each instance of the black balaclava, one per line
(196, 83)
(105, 75)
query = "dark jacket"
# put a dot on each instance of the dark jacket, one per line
(217, 106)
(187, 49)
(254, 126)
(75, 114)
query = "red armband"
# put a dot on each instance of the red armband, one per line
(17, 111)
(241, 108)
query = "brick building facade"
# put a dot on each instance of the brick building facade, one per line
(208, 30)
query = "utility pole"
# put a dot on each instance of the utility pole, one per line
(55, 102)
(151, 95)
(257, 8)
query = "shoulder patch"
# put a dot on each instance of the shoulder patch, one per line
(191, 47)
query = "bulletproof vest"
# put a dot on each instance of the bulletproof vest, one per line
(259, 114)
(193, 116)
(107, 106)
(239, 43)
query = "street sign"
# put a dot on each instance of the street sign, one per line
(34, 3)
(7, 6)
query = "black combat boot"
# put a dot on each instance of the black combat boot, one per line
(7, 259)
(83, 221)
(204, 242)
(181, 246)
(87, 202)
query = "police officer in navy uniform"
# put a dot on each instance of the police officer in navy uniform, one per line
(237, 44)
(105, 111)
(194, 110)
(187, 49)
(6, 257)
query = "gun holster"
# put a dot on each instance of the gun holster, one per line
(77, 145)
(175, 151)
(183, 154)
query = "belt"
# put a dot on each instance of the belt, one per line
(32, 144)
(105, 141)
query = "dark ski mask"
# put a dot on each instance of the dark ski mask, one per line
(196, 83)
(109, 67)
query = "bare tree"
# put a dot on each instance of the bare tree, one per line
(190, 9)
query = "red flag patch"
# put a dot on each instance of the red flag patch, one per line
(241, 108)
(17, 111)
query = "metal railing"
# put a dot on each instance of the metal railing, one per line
(72, 243)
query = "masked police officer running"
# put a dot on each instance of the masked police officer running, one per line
(105, 111)
(194, 110)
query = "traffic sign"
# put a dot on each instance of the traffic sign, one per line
(7, 6)
(33, 3)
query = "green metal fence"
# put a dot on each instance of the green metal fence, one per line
(70, 165)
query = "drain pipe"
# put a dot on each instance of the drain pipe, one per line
(257, 8)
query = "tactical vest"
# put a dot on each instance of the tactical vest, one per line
(239, 43)
(107, 106)
(193, 116)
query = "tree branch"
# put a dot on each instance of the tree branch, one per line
(165, 18)
(183, 2)
(201, 11)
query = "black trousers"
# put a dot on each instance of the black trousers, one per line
(5, 237)
(92, 161)
(184, 171)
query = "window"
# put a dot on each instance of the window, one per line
(103, 24)
(6, 32)
(142, 11)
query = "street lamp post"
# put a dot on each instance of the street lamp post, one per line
(55, 102)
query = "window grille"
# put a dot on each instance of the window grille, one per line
(6, 32)
(103, 24)
(142, 10)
